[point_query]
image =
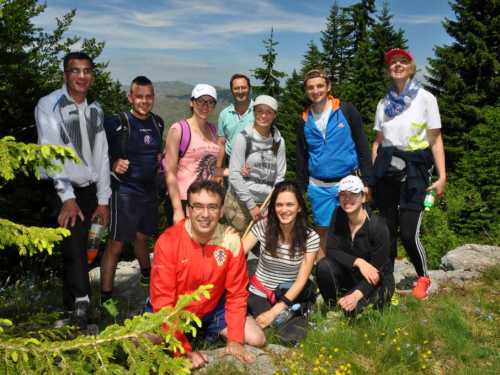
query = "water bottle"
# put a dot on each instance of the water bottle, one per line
(285, 315)
(95, 235)
(430, 199)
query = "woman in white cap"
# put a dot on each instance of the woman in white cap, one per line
(407, 145)
(260, 147)
(191, 152)
(357, 267)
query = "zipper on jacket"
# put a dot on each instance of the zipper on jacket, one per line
(202, 249)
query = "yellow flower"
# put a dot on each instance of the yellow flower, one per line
(366, 335)
(342, 367)
(424, 356)
(406, 333)
(321, 356)
(323, 349)
(399, 348)
(330, 356)
(426, 341)
(294, 353)
(315, 369)
(423, 367)
(429, 352)
(335, 350)
(394, 340)
(348, 365)
(368, 342)
(301, 346)
(437, 363)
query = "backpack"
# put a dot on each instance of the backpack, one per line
(248, 140)
(125, 125)
(161, 183)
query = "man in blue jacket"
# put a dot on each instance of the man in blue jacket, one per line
(331, 144)
(134, 203)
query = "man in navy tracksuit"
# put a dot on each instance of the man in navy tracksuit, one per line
(331, 144)
(134, 203)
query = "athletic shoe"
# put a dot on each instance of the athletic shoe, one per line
(109, 308)
(148, 307)
(395, 298)
(144, 281)
(422, 288)
(81, 315)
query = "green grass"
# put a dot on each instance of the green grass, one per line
(455, 331)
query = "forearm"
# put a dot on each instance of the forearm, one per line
(173, 191)
(439, 159)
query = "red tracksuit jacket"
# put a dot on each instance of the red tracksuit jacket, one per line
(181, 264)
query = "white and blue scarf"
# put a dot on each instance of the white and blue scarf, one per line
(395, 104)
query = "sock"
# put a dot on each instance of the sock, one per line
(146, 272)
(105, 296)
(80, 299)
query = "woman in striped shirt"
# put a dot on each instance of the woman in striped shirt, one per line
(288, 249)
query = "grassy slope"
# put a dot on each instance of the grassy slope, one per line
(453, 332)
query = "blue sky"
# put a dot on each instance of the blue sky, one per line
(206, 41)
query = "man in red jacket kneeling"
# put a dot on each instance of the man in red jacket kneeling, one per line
(195, 252)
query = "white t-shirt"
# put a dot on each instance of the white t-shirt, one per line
(273, 271)
(408, 130)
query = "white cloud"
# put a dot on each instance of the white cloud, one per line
(416, 19)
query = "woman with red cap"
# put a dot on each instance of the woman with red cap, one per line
(407, 146)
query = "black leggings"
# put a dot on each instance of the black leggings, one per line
(335, 281)
(386, 194)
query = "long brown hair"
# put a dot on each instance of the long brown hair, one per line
(300, 231)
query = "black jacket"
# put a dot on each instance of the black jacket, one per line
(371, 243)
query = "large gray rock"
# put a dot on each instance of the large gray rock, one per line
(126, 283)
(263, 365)
(403, 269)
(470, 258)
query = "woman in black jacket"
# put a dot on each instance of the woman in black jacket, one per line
(357, 267)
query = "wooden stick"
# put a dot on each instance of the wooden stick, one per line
(261, 208)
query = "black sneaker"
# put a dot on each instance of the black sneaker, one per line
(81, 315)
(144, 281)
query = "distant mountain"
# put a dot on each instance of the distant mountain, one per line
(172, 101)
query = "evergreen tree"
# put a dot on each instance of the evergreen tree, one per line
(268, 76)
(465, 77)
(30, 60)
(360, 21)
(385, 38)
(313, 58)
(294, 102)
(335, 48)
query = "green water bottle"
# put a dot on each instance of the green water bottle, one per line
(430, 199)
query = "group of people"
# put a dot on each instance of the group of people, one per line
(231, 171)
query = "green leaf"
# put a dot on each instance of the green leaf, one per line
(14, 356)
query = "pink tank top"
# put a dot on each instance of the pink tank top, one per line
(198, 162)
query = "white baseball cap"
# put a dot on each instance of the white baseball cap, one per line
(352, 184)
(267, 100)
(203, 89)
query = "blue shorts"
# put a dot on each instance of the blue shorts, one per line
(214, 321)
(323, 202)
(130, 214)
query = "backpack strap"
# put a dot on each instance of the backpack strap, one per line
(248, 140)
(185, 138)
(156, 122)
(125, 125)
(345, 110)
(212, 128)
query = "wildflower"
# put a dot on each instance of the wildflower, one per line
(301, 346)
(406, 333)
(330, 356)
(336, 350)
(366, 335)
(423, 367)
(426, 342)
(408, 345)
(348, 365)
(429, 352)
(323, 348)
(294, 354)
(424, 356)
(398, 348)
(315, 369)
(342, 367)
(425, 320)
(411, 353)
(437, 363)
(394, 341)
(368, 342)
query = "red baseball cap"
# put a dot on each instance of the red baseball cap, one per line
(397, 51)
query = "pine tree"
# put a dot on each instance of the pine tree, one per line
(465, 77)
(385, 38)
(268, 76)
(313, 58)
(335, 49)
(360, 20)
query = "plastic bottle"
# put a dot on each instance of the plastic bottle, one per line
(285, 315)
(430, 199)
(95, 235)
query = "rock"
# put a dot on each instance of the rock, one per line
(126, 283)
(403, 269)
(263, 363)
(470, 258)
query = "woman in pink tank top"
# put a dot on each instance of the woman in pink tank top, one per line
(200, 157)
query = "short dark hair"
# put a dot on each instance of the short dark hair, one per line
(76, 56)
(315, 73)
(236, 76)
(141, 81)
(211, 187)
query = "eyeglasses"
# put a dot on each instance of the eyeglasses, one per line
(197, 207)
(201, 102)
(76, 71)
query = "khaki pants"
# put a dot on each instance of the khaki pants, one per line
(237, 214)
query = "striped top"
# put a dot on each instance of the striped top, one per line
(273, 271)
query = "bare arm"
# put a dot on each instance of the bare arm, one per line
(221, 141)
(249, 242)
(171, 160)
(379, 138)
(437, 148)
